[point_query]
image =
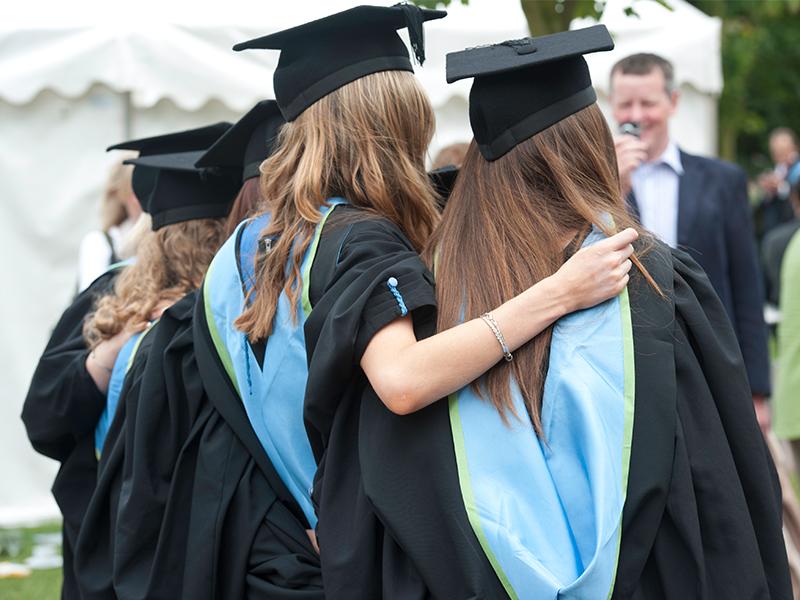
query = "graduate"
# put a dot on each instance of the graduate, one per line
(64, 403)
(616, 454)
(187, 207)
(169, 481)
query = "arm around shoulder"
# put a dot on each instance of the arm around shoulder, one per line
(408, 374)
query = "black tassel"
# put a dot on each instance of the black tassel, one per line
(416, 35)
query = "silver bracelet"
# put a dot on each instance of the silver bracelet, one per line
(489, 320)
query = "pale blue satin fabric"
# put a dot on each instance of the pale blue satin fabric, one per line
(272, 396)
(115, 383)
(548, 511)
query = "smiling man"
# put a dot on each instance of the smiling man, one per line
(695, 203)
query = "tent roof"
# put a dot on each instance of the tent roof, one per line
(184, 53)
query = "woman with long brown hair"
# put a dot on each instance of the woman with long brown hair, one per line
(187, 212)
(616, 454)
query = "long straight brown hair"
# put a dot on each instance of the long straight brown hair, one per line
(365, 142)
(504, 227)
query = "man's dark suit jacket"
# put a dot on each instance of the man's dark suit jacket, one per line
(714, 227)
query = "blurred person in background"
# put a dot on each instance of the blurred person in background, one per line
(774, 207)
(444, 170)
(119, 210)
(787, 381)
(690, 202)
(452, 155)
(773, 247)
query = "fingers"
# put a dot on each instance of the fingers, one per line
(624, 254)
(631, 152)
(623, 273)
(620, 278)
(628, 144)
(622, 269)
(618, 242)
(620, 257)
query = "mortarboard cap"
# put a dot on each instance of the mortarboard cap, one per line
(182, 192)
(143, 179)
(323, 55)
(177, 141)
(248, 142)
(524, 86)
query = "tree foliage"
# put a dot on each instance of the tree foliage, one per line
(543, 16)
(760, 58)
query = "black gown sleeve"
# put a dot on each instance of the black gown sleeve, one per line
(63, 402)
(60, 412)
(755, 555)
(148, 561)
(366, 274)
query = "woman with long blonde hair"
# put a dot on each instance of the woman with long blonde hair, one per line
(616, 454)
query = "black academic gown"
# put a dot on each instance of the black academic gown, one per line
(197, 508)
(351, 300)
(60, 414)
(94, 549)
(702, 515)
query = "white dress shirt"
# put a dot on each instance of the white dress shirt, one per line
(655, 185)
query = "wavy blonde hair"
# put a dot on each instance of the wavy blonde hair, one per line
(170, 263)
(365, 142)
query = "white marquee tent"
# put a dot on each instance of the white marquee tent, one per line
(76, 77)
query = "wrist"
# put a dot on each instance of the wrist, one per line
(560, 302)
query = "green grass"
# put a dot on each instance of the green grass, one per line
(41, 585)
